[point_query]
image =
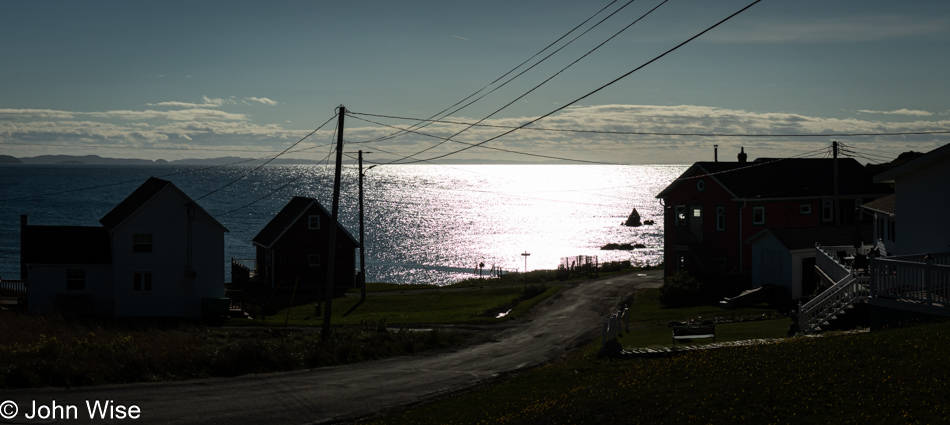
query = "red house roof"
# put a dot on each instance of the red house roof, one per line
(788, 178)
(65, 245)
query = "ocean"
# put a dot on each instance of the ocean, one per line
(429, 224)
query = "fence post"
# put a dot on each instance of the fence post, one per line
(801, 318)
(928, 278)
(603, 342)
(626, 314)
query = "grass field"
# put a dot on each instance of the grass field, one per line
(887, 377)
(415, 307)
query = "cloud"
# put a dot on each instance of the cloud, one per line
(262, 100)
(902, 111)
(840, 29)
(208, 103)
(663, 134)
(455, 36)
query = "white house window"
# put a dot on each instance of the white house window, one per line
(142, 243)
(891, 230)
(313, 222)
(681, 215)
(721, 218)
(142, 282)
(75, 279)
(758, 215)
(313, 260)
(805, 209)
(827, 211)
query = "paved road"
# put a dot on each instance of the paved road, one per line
(561, 323)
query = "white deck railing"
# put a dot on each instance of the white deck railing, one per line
(847, 289)
(917, 278)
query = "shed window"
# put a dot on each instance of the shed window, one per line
(805, 209)
(313, 222)
(313, 260)
(142, 282)
(721, 218)
(75, 279)
(142, 243)
(758, 215)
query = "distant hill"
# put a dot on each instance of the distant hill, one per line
(85, 159)
(7, 159)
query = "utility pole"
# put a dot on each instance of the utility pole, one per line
(362, 240)
(334, 216)
(834, 151)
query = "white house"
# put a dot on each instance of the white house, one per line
(915, 221)
(157, 254)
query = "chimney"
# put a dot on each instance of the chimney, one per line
(742, 156)
(715, 153)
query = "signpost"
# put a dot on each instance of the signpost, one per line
(525, 255)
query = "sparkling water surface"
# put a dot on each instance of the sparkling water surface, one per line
(423, 223)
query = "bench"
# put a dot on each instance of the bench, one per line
(694, 332)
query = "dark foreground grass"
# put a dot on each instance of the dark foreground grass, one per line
(39, 351)
(439, 306)
(888, 377)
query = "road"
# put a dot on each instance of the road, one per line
(566, 321)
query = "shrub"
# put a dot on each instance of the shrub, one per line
(682, 289)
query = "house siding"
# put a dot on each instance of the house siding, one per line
(47, 282)
(921, 210)
(166, 218)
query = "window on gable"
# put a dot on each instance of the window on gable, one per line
(720, 218)
(142, 282)
(758, 215)
(804, 209)
(681, 215)
(313, 260)
(313, 222)
(75, 279)
(142, 243)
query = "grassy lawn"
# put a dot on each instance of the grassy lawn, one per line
(649, 322)
(439, 306)
(895, 376)
(892, 376)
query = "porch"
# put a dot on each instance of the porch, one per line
(911, 284)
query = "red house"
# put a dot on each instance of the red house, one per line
(294, 245)
(714, 208)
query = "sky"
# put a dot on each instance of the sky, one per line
(200, 79)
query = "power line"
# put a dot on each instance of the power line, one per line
(541, 84)
(416, 126)
(644, 133)
(448, 139)
(268, 195)
(266, 162)
(614, 81)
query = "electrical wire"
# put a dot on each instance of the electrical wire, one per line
(266, 162)
(538, 86)
(416, 126)
(643, 133)
(448, 139)
(608, 84)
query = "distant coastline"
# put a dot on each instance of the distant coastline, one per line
(98, 160)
